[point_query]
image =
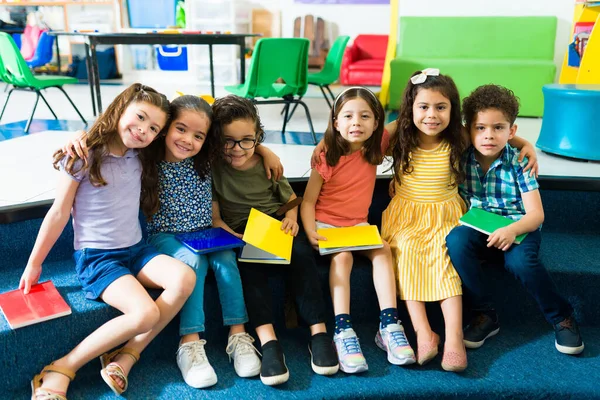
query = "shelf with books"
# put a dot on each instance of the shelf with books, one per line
(580, 64)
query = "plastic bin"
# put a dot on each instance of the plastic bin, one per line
(151, 13)
(172, 58)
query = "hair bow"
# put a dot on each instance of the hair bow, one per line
(208, 98)
(422, 77)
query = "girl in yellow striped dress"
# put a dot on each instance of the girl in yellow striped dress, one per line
(428, 143)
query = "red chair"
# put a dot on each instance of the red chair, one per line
(363, 61)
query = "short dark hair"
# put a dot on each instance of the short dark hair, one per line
(234, 108)
(491, 97)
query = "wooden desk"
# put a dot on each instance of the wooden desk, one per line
(93, 39)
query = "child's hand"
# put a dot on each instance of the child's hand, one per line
(502, 238)
(78, 145)
(529, 151)
(314, 238)
(315, 159)
(392, 189)
(273, 166)
(289, 225)
(239, 235)
(30, 277)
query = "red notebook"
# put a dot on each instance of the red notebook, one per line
(43, 302)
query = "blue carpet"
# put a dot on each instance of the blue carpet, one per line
(15, 130)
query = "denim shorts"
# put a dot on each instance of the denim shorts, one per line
(98, 268)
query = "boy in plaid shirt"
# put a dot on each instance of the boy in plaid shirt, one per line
(495, 182)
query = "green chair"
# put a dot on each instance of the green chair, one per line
(14, 71)
(278, 68)
(330, 72)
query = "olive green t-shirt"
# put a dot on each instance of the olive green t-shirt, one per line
(239, 191)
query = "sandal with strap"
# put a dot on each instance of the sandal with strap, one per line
(40, 393)
(112, 369)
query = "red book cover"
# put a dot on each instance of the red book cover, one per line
(43, 302)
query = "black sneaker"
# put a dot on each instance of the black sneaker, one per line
(568, 338)
(323, 357)
(481, 327)
(273, 370)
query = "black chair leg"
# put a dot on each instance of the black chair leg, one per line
(73, 104)
(37, 99)
(6, 102)
(294, 109)
(310, 124)
(47, 105)
(325, 95)
(330, 93)
(285, 117)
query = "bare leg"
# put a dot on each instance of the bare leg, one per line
(452, 310)
(383, 276)
(265, 333)
(177, 281)
(418, 316)
(339, 281)
(237, 328)
(140, 314)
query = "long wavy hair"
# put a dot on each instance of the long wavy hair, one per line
(406, 138)
(153, 154)
(337, 146)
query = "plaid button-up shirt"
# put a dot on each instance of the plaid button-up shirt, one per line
(499, 190)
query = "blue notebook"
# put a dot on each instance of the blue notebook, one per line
(209, 240)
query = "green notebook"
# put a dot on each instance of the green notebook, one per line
(487, 222)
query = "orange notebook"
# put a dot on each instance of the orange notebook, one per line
(42, 303)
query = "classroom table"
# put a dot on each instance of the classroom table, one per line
(93, 39)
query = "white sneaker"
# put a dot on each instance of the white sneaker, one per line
(195, 368)
(245, 361)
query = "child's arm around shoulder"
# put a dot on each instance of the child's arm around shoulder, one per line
(307, 209)
(271, 162)
(52, 226)
(526, 150)
(218, 222)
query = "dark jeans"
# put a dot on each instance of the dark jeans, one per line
(467, 247)
(301, 274)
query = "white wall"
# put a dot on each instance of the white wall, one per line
(354, 19)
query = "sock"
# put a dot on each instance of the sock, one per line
(388, 316)
(342, 321)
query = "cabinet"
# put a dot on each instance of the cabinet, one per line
(214, 16)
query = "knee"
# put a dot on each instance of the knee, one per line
(146, 317)
(183, 284)
(457, 238)
(342, 260)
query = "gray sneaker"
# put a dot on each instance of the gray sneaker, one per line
(244, 355)
(393, 341)
(349, 353)
(195, 368)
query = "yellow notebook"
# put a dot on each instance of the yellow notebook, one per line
(264, 232)
(350, 238)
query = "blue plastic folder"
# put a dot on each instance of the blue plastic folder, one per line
(209, 240)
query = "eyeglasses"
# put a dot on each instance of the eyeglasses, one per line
(245, 144)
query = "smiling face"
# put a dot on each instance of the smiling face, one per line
(356, 122)
(490, 131)
(186, 135)
(138, 126)
(431, 114)
(241, 132)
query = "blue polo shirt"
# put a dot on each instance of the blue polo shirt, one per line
(500, 189)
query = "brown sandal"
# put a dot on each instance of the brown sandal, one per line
(112, 369)
(40, 393)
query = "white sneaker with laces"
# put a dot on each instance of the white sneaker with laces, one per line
(245, 360)
(195, 368)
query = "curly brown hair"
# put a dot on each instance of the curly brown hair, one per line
(337, 146)
(406, 138)
(105, 130)
(231, 108)
(155, 153)
(490, 96)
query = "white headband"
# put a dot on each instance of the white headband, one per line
(422, 77)
(350, 88)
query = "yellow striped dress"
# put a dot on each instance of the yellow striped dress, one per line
(416, 222)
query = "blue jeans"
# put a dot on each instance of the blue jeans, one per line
(467, 247)
(229, 283)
